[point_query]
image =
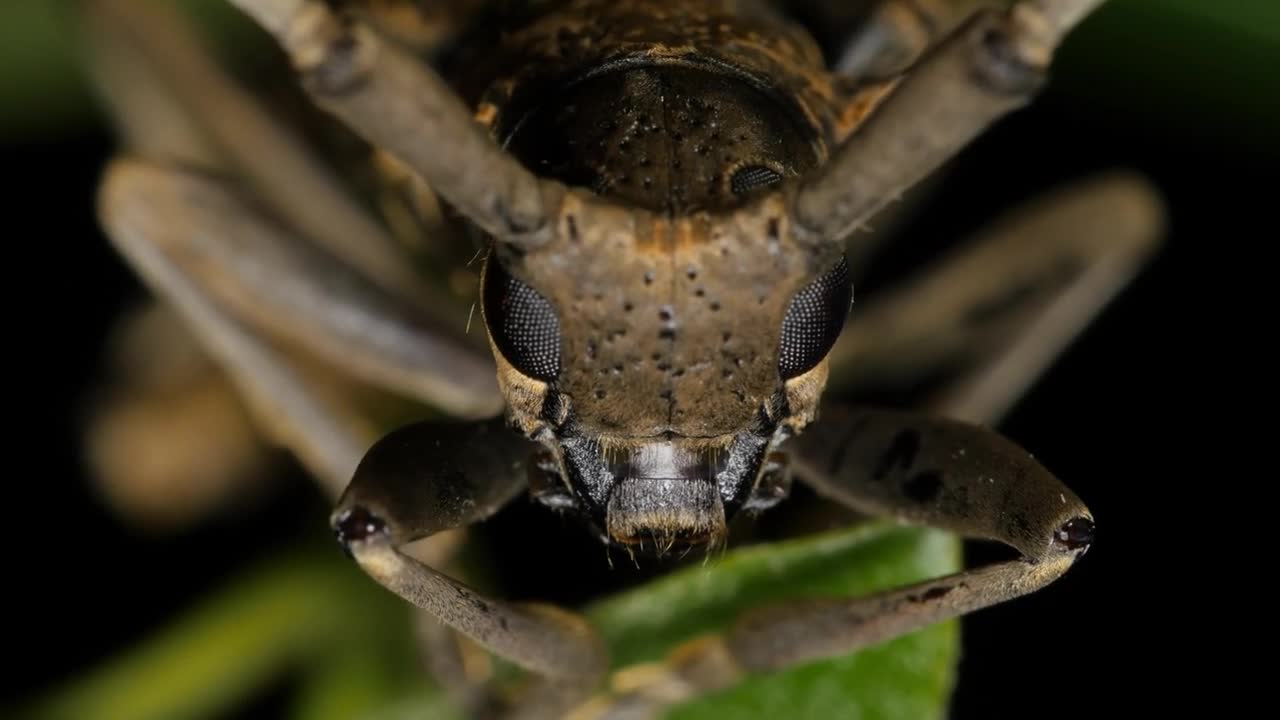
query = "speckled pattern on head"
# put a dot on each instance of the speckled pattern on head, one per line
(670, 324)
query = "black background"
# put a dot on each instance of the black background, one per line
(1106, 418)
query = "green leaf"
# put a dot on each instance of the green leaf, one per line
(907, 678)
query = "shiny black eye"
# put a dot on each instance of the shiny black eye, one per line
(522, 324)
(814, 320)
(753, 177)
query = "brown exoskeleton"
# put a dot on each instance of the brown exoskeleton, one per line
(664, 190)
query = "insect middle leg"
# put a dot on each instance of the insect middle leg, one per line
(998, 312)
(286, 288)
(174, 103)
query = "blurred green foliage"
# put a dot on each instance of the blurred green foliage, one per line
(44, 90)
(313, 617)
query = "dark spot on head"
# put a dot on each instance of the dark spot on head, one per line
(773, 229)
(715, 305)
(692, 273)
(648, 277)
(665, 314)
(628, 306)
(572, 223)
(1076, 534)
(923, 487)
(667, 333)
(700, 292)
(600, 394)
(900, 455)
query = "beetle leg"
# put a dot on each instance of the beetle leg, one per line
(921, 470)
(930, 471)
(993, 66)
(898, 32)
(430, 477)
(395, 101)
(278, 283)
(174, 103)
(1009, 302)
(144, 214)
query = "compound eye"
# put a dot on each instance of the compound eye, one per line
(522, 323)
(814, 320)
(750, 178)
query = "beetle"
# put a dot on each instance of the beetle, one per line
(663, 191)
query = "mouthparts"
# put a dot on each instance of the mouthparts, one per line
(667, 495)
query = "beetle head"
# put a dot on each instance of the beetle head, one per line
(662, 372)
(675, 330)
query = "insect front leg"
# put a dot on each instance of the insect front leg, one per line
(989, 68)
(928, 471)
(431, 477)
(173, 102)
(921, 470)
